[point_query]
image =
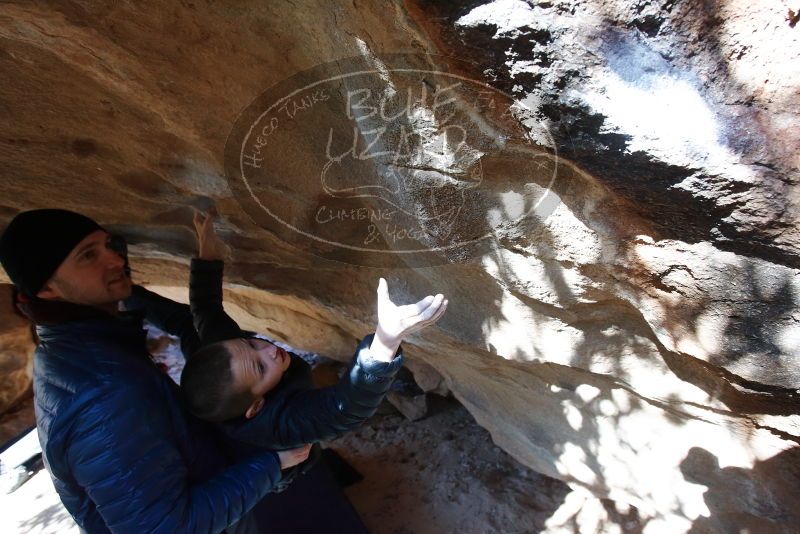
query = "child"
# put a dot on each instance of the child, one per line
(261, 395)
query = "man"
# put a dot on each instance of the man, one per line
(123, 453)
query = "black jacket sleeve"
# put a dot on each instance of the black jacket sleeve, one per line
(293, 416)
(205, 300)
(201, 323)
(172, 317)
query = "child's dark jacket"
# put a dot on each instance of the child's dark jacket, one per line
(294, 413)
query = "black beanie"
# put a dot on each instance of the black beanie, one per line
(36, 242)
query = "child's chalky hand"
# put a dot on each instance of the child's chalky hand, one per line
(209, 244)
(396, 322)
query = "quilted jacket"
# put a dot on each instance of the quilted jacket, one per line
(123, 453)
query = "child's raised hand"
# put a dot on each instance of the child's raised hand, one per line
(210, 246)
(396, 322)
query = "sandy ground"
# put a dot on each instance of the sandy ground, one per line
(35, 509)
(443, 474)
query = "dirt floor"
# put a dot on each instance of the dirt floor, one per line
(443, 474)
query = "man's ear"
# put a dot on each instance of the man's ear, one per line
(49, 291)
(254, 408)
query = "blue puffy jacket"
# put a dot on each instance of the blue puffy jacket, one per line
(123, 453)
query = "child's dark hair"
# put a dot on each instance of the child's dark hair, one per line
(207, 385)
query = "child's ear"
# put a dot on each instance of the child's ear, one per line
(254, 408)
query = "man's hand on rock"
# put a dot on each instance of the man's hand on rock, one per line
(396, 322)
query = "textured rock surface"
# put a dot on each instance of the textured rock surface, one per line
(16, 358)
(639, 342)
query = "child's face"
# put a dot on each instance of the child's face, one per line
(256, 365)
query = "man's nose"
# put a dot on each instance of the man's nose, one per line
(113, 259)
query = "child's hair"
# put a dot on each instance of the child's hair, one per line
(207, 385)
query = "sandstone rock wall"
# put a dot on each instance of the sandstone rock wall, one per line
(637, 336)
(16, 369)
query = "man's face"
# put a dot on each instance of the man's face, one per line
(256, 365)
(92, 274)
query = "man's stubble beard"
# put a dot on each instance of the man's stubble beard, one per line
(109, 301)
